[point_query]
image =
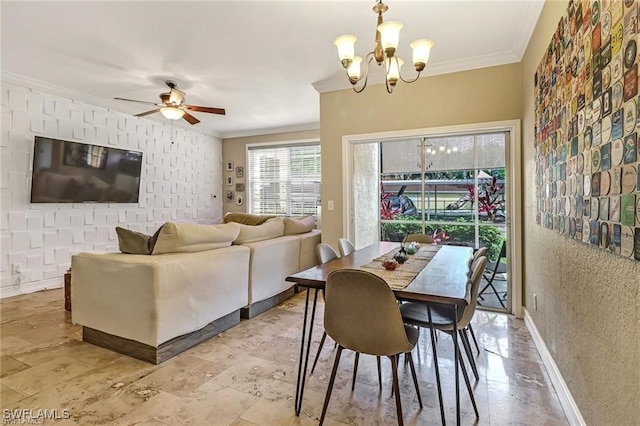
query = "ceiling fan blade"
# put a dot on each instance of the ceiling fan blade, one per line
(190, 118)
(210, 110)
(176, 96)
(140, 102)
(142, 114)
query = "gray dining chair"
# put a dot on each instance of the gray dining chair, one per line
(345, 247)
(443, 318)
(361, 314)
(325, 254)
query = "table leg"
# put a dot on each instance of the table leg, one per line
(304, 355)
(455, 358)
(435, 363)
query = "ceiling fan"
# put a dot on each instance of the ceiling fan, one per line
(172, 106)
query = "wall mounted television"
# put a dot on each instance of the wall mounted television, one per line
(73, 172)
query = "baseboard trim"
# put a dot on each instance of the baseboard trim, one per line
(569, 405)
(14, 290)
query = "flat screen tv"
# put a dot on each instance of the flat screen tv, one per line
(72, 172)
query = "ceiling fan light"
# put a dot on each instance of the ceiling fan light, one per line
(172, 113)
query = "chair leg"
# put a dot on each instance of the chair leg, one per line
(473, 336)
(396, 388)
(415, 378)
(468, 383)
(331, 381)
(355, 371)
(379, 373)
(315, 361)
(467, 349)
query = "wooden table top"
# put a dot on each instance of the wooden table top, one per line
(443, 280)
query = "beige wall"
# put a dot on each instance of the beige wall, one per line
(588, 299)
(235, 149)
(483, 95)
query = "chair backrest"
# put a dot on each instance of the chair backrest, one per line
(418, 238)
(325, 253)
(474, 281)
(345, 247)
(482, 251)
(361, 313)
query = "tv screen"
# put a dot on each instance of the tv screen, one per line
(72, 172)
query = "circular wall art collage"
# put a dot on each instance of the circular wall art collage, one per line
(587, 109)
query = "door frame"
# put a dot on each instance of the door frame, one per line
(514, 171)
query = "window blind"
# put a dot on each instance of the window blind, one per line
(284, 180)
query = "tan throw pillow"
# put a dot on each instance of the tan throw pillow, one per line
(132, 242)
(298, 226)
(272, 228)
(192, 237)
(246, 218)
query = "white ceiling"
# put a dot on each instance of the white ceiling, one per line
(264, 61)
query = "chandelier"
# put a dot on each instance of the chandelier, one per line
(384, 52)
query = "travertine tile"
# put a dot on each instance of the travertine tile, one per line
(247, 375)
(45, 375)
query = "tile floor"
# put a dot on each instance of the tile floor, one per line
(247, 375)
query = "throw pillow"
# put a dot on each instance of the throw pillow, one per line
(272, 228)
(192, 237)
(298, 226)
(246, 218)
(132, 242)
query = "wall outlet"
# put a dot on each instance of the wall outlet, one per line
(535, 302)
(16, 269)
(330, 205)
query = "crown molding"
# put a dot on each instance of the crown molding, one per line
(273, 130)
(21, 80)
(501, 58)
(527, 25)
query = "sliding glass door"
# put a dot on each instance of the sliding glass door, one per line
(449, 187)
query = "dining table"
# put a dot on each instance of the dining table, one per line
(444, 279)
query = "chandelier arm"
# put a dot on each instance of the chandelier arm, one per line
(388, 86)
(364, 75)
(410, 81)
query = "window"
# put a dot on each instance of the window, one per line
(284, 179)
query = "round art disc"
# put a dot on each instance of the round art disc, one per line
(595, 159)
(595, 112)
(626, 241)
(595, 208)
(581, 120)
(567, 205)
(572, 227)
(605, 183)
(630, 112)
(637, 210)
(629, 176)
(562, 188)
(579, 185)
(580, 162)
(561, 224)
(585, 230)
(630, 51)
(616, 94)
(604, 235)
(587, 185)
(617, 152)
(606, 129)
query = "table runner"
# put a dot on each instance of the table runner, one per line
(405, 272)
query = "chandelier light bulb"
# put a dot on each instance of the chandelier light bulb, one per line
(390, 36)
(346, 48)
(354, 69)
(421, 50)
(393, 66)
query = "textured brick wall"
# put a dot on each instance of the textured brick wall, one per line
(178, 183)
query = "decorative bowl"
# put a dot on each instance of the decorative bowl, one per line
(412, 248)
(390, 264)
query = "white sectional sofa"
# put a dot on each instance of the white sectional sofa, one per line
(197, 283)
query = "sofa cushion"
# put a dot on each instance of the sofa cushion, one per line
(191, 237)
(272, 228)
(246, 218)
(132, 242)
(298, 226)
